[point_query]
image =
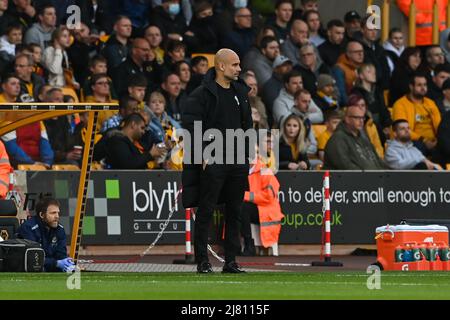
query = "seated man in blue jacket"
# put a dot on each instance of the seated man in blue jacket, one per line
(45, 229)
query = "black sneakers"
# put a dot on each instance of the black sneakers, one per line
(232, 267)
(204, 267)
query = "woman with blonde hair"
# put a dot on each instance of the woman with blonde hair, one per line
(164, 127)
(293, 145)
(56, 60)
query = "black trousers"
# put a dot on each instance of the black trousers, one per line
(250, 214)
(228, 183)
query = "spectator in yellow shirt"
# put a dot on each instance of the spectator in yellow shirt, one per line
(421, 113)
(332, 119)
(100, 86)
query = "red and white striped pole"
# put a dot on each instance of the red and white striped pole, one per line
(327, 223)
(11, 180)
(11, 194)
(189, 257)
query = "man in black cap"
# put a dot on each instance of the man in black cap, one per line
(281, 66)
(352, 21)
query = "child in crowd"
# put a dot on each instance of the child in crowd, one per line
(164, 127)
(36, 51)
(56, 61)
(327, 97)
(9, 41)
(97, 65)
(332, 119)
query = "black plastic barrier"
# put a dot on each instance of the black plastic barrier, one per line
(130, 207)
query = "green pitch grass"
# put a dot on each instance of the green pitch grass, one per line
(252, 286)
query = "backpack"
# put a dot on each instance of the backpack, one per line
(21, 255)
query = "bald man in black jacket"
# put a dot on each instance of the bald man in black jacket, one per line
(221, 102)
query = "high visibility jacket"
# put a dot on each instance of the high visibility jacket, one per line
(5, 168)
(424, 18)
(264, 187)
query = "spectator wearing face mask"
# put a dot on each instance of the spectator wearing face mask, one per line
(203, 36)
(186, 8)
(170, 19)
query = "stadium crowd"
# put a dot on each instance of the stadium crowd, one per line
(341, 99)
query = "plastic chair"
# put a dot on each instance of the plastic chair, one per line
(208, 56)
(9, 223)
(70, 92)
(257, 239)
(65, 167)
(31, 167)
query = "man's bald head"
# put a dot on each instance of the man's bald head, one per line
(140, 43)
(299, 32)
(140, 50)
(226, 63)
(224, 55)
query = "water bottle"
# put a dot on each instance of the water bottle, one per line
(416, 256)
(399, 254)
(408, 254)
